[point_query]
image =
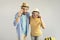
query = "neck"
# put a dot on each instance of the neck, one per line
(24, 13)
(34, 17)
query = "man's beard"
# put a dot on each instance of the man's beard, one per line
(24, 13)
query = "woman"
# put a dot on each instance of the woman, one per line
(36, 24)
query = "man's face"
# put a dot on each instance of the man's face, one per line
(25, 9)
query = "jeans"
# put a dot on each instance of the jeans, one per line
(35, 37)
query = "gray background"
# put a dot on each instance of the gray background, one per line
(49, 9)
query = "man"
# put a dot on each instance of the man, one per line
(22, 21)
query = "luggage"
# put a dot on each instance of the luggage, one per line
(50, 38)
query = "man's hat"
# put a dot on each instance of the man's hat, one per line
(24, 4)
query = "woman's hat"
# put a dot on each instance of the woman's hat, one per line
(36, 9)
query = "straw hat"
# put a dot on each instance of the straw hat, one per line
(24, 4)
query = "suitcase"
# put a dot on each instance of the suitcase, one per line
(50, 38)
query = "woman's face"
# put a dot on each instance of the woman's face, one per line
(35, 14)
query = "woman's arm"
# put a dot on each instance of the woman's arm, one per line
(42, 24)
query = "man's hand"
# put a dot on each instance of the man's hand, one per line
(24, 37)
(20, 12)
(18, 19)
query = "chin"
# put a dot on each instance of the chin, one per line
(24, 12)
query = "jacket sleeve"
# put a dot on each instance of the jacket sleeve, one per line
(27, 30)
(15, 23)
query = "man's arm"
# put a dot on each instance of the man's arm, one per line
(16, 20)
(17, 17)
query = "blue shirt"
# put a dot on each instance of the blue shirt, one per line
(23, 25)
(24, 18)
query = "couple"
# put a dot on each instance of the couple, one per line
(22, 21)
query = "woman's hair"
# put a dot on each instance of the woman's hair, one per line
(38, 13)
